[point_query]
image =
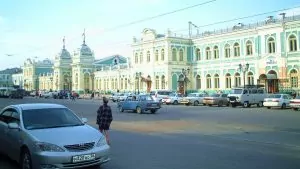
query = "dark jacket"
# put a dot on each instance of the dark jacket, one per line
(104, 116)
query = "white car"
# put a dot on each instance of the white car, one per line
(277, 100)
(173, 98)
(295, 103)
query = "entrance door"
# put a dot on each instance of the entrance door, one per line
(273, 86)
(149, 83)
(181, 87)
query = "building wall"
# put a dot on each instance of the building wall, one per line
(18, 80)
(6, 80)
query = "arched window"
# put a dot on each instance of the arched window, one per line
(141, 57)
(156, 55)
(163, 82)
(208, 81)
(198, 82)
(181, 55)
(237, 80)
(208, 53)
(198, 54)
(293, 43)
(148, 56)
(271, 45)
(216, 81)
(157, 82)
(249, 48)
(227, 51)
(216, 52)
(228, 81)
(125, 83)
(294, 78)
(236, 49)
(162, 55)
(250, 78)
(136, 58)
(174, 55)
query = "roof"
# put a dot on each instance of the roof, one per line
(29, 106)
(11, 71)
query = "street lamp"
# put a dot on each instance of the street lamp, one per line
(51, 82)
(185, 73)
(137, 76)
(244, 69)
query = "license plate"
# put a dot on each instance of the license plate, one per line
(86, 157)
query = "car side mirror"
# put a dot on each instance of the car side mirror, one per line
(13, 126)
(84, 120)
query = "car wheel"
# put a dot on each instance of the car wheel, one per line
(121, 109)
(175, 102)
(268, 107)
(153, 111)
(246, 104)
(25, 161)
(283, 106)
(220, 104)
(139, 110)
(196, 103)
(296, 109)
(260, 104)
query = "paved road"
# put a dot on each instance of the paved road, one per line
(196, 137)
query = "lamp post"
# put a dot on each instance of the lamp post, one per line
(244, 69)
(137, 76)
(51, 82)
(185, 73)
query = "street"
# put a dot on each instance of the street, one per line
(191, 137)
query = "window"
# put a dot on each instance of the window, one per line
(228, 81)
(271, 45)
(148, 56)
(250, 78)
(198, 82)
(208, 53)
(122, 82)
(181, 55)
(126, 81)
(141, 57)
(156, 82)
(216, 52)
(227, 51)
(162, 55)
(208, 81)
(163, 82)
(237, 80)
(216, 81)
(136, 58)
(249, 48)
(156, 55)
(174, 55)
(236, 49)
(198, 54)
(294, 78)
(293, 43)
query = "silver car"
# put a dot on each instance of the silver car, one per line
(51, 136)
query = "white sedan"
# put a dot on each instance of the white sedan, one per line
(50, 136)
(295, 103)
(277, 100)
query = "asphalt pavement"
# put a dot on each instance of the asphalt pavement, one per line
(194, 137)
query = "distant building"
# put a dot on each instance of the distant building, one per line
(6, 79)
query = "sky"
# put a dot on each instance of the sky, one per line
(35, 28)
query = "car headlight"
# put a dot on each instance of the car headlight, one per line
(48, 147)
(101, 142)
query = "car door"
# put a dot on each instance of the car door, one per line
(14, 136)
(4, 119)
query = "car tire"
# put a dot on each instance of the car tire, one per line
(139, 110)
(25, 160)
(260, 104)
(246, 104)
(175, 102)
(196, 103)
(283, 106)
(220, 104)
(296, 109)
(153, 111)
(121, 109)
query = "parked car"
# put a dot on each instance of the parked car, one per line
(277, 100)
(158, 95)
(139, 104)
(247, 96)
(173, 98)
(123, 96)
(194, 99)
(50, 136)
(216, 99)
(295, 103)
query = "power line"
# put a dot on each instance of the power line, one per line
(142, 20)
(239, 18)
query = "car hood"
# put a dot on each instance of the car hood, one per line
(66, 135)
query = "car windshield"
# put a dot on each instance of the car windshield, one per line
(192, 95)
(49, 118)
(172, 94)
(215, 95)
(236, 91)
(297, 97)
(274, 96)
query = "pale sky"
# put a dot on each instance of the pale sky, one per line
(30, 28)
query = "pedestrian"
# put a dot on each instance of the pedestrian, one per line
(104, 119)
